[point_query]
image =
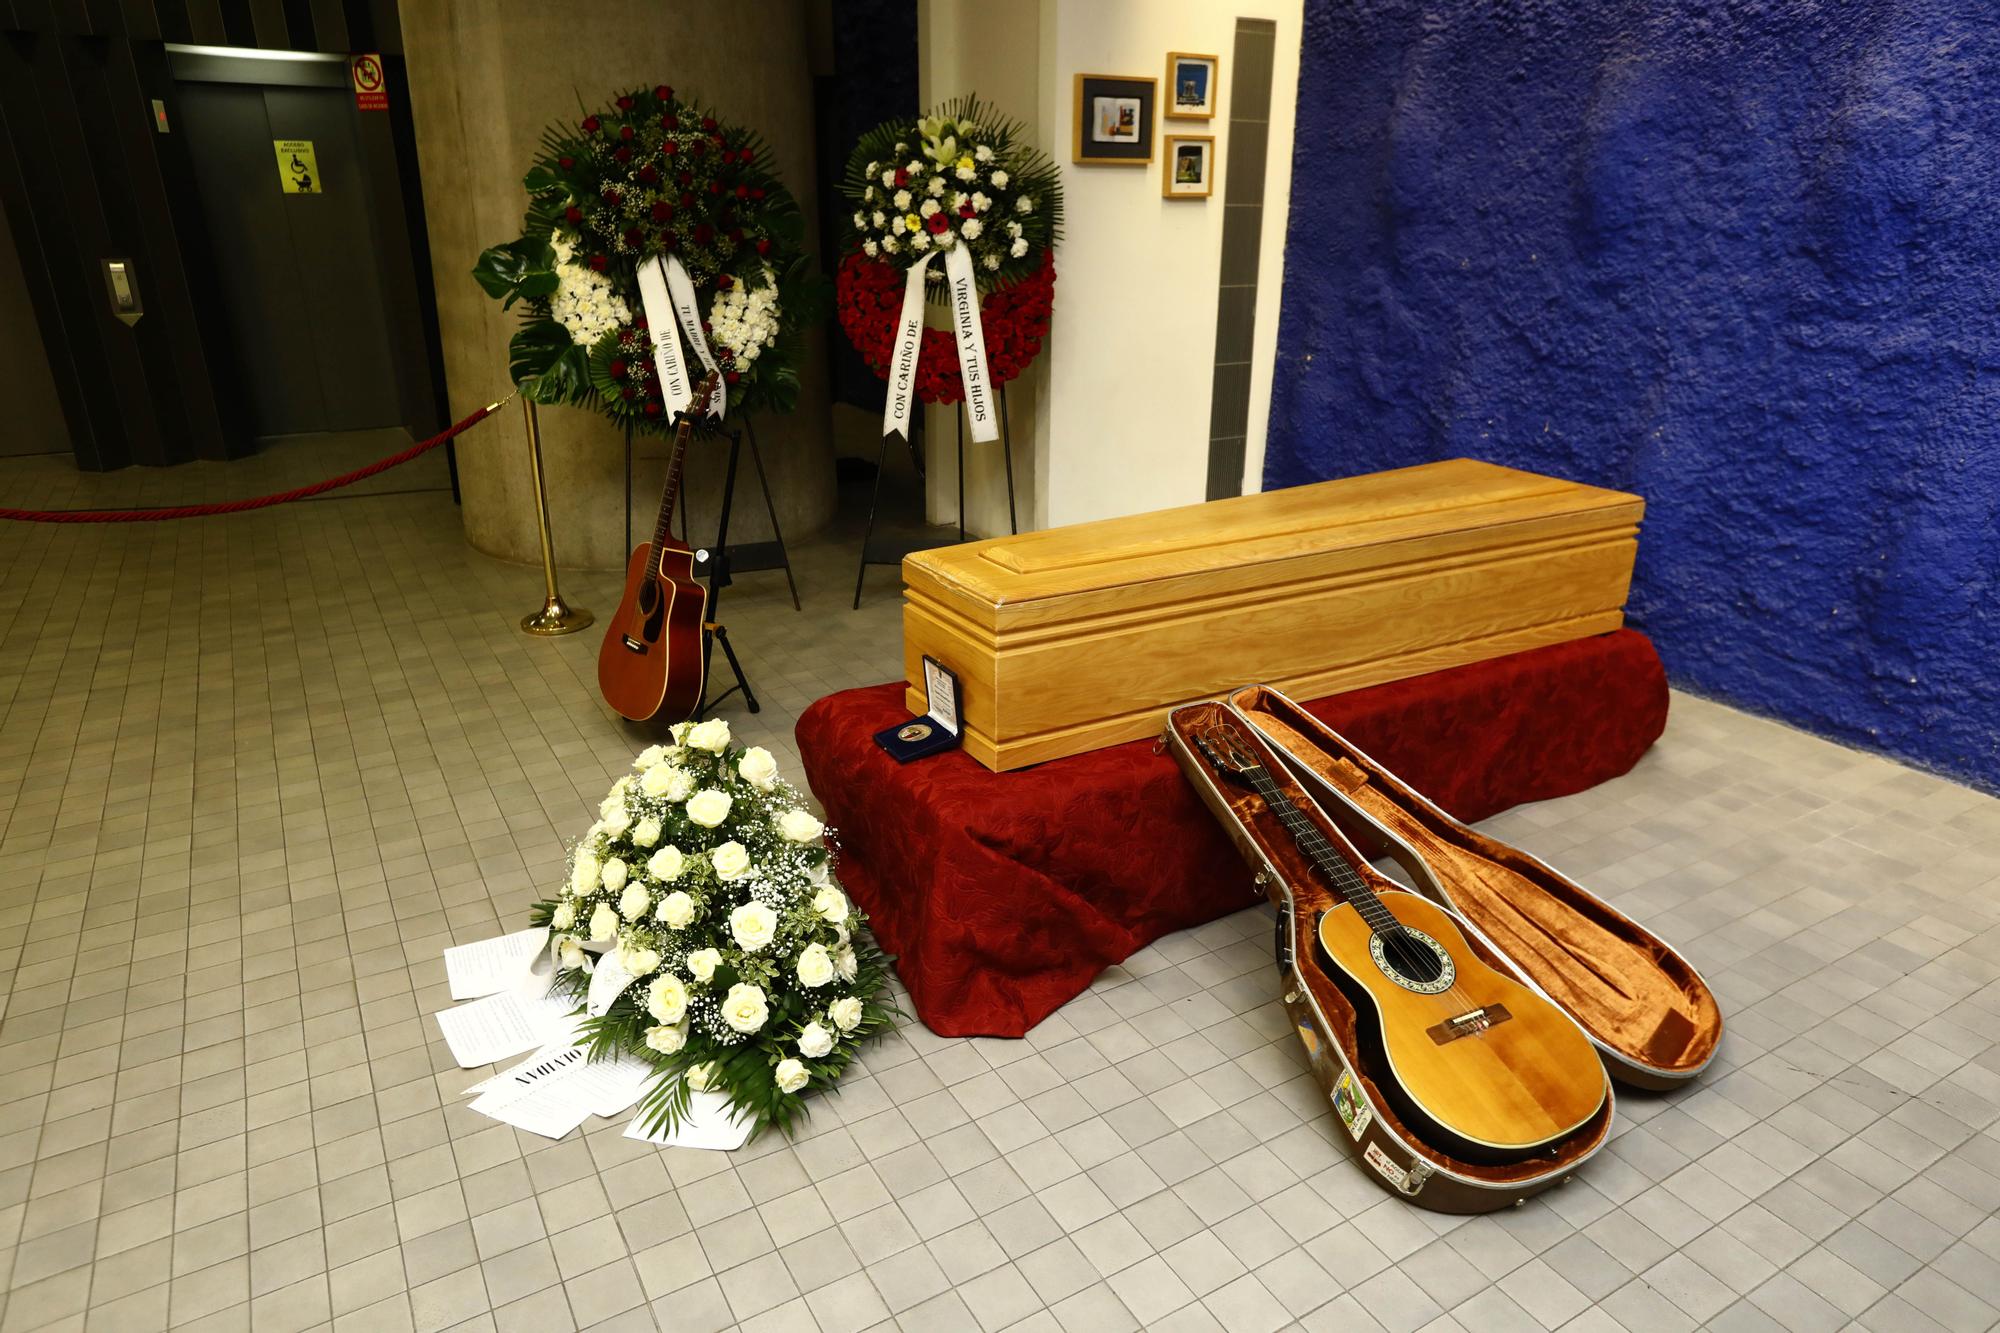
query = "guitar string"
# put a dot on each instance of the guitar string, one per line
(1355, 890)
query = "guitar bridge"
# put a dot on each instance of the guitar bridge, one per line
(1469, 1024)
(633, 644)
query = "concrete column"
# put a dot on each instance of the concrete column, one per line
(485, 77)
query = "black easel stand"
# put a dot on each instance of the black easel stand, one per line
(773, 554)
(869, 553)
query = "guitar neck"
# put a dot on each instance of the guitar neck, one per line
(662, 530)
(1322, 853)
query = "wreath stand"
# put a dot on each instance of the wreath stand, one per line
(720, 561)
(870, 554)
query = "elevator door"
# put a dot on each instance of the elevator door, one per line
(300, 274)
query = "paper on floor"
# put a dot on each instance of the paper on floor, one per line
(500, 1026)
(708, 1124)
(491, 966)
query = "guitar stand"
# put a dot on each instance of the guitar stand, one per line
(758, 555)
(895, 557)
(713, 631)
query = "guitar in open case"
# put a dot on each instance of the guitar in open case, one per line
(1304, 820)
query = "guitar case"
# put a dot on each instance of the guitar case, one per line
(1521, 917)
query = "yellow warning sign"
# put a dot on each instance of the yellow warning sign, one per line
(298, 169)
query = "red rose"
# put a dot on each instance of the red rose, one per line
(618, 370)
(633, 236)
(902, 176)
(572, 215)
(664, 93)
(687, 200)
(598, 262)
(612, 197)
(639, 323)
(591, 124)
(566, 163)
(731, 377)
(698, 147)
(736, 236)
(763, 245)
(723, 282)
(966, 210)
(669, 148)
(727, 157)
(938, 223)
(708, 124)
(756, 192)
(715, 187)
(652, 409)
(626, 393)
(625, 131)
(684, 179)
(742, 192)
(649, 174)
(669, 241)
(663, 211)
(704, 234)
(624, 104)
(746, 155)
(623, 153)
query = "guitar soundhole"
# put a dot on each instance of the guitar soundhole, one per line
(1413, 960)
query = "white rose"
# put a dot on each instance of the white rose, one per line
(846, 1013)
(731, 861)
(982, 153)
(583, 873)
(901, 199)
(646, 832)
(758, 768)
(666, 863)
(676, 910)
(999, 180)
(888, 178)
(754, 926)
(639, 962)
(614, 874)
(815, 1041)
(667, 998)
(703, 962)
(744, 1008)
(879, 219)
(701, 1077)
(792, 1075)
(667, 1040)
(612, 803)
(815, 966)
(632, 904)
(936, 186)
(860, 220)
(870, 248)
(564, 916)
(821, 874)
(965, 173)
(871, 168)
(1024, 205)
(970, 229)
(930, 207)
(679, 730)
(846, 962)
(649, 756)
(708, 807)
(617, 821)
(889, 245)
(799, 826)
(831, 904)
(603, 922)
(712, 735)
(572, 953)
(666, 782)
(991, 261)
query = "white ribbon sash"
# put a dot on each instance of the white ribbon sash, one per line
(675, 387)
(901, 398)
(681, 288)
(979, 408)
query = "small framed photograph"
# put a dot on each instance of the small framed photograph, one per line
(1190, 86)
(1190, 166)
(1114, 119)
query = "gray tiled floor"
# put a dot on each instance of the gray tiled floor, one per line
(256, 772)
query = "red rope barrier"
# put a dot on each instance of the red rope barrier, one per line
(256, 502)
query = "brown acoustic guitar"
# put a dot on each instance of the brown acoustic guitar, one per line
(651, 662)
(1476, 1063)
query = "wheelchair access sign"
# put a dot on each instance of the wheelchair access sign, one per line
(298, 168)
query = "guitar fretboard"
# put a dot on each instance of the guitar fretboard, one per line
(1335, 866)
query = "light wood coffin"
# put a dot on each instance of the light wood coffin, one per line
(1076, 638)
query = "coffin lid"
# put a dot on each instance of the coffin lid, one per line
(1380, 518)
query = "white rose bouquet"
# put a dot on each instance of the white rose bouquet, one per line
(702, 927)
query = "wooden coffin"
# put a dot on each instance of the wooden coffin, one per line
(1076, 638)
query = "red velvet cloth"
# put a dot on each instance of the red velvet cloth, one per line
(1003, 894)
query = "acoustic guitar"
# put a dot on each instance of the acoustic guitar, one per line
(651, 662)
(1476, 1063)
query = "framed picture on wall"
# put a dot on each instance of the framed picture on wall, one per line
(1190, 86)
(1190, 166)
(1114, 119)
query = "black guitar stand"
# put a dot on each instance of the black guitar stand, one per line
(751, 556)
(894, 553)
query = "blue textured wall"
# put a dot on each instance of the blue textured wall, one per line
(1742, 258)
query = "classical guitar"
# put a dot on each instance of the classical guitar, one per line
(651, 662)
(1476, 1063)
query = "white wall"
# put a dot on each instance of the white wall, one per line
(1121, 395)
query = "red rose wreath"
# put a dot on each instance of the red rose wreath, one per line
(961, 179)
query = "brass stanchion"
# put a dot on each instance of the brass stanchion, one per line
(556, 616)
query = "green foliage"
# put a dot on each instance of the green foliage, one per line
(518, 270)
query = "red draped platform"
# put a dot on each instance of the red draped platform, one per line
(1003, 894)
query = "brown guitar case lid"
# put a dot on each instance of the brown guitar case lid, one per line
(1654, 1019)
(1388, 1150)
